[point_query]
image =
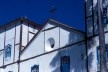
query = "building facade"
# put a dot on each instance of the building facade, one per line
(26, 46)
(91, 23)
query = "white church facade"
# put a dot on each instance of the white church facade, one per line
(55, 47)
(26, 46)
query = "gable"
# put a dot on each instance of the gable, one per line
(51, 37)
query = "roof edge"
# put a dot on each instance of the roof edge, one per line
(67, 26)
(21, 19)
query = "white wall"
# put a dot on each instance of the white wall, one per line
(53, 33)
(10, 36)
(16, 53)
(24, 33)
(69, 37)
(51, 62)
(61, 38)
(28, 31)
(2, 34)
(13, 68)
(1, 57)
(30, 36)
(92, 53)
(35, 48)
(17, 33)
(33, 30)
(49, 25)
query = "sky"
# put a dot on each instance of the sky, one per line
(69, 12)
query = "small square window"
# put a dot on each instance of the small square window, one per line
(8, 52)
(35, 68)
(65, 64)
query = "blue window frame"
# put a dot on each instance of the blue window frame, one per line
(106, 52)
(8, 51)
(35, 68)
(98, 54)
(10, 71)
(105, 20)
(65, 64)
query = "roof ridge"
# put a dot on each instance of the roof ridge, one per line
(67, 26)
(18, 19)
(41, 30)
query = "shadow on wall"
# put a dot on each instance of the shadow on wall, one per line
(77, 55)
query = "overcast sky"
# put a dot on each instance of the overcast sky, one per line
(70, 12)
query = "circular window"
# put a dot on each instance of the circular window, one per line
(50, 44)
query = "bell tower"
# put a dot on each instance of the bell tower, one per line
(91, 16)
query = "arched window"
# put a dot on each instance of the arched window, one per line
(8, 51)
(35, 68)
(65, 64)
(105, 20)
(49, 45)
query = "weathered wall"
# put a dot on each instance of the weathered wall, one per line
(92, 53)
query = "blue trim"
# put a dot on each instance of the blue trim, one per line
(65, 64)
(35, 68)
(98, 54)
(8, 51)
(106, 52)
(105, 20)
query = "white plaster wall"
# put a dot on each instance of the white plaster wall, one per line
(92, 53)
(10, 35)
(51, 62)
(106, 28)
(77, 62)
(16, 53)
(24, 33)
(43, 62)
(69, 37)
(49, 25)
(32, 29)
(35, 48)
(1, 70)
(13, 68)
(30, 36)
(17, 33)
(1, 58)
(2, 33)
(53, 33)
(106, 38)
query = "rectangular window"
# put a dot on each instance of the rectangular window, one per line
(65, 64)
(35, 68)
(8, 52)
(10, 71)
(90, 26)
(98, 56)
(105, 20)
